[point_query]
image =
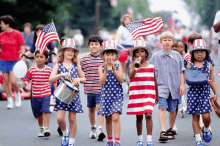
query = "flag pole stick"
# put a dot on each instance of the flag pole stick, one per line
(57, 35)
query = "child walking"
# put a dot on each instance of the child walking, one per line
(199, 96)
(111, 77)
(143, 94)
(92, 87)
(68, 67)
(170, 80)
(41, 90)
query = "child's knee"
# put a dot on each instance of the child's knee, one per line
(148, 116)
(60, 120)
(108, 120)
(72, 121)
(115, 119)
(139, 118)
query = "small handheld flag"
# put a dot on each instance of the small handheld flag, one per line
(46, 36)
(145, 27)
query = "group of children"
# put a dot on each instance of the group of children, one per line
(159, 80)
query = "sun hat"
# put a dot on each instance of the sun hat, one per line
(69, 43)
(199, 45)
(140, 44)
(108, 45)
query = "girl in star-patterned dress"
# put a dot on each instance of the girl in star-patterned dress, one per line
(199, 96)
(111, 77)
(68, 67)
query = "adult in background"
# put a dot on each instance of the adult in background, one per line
(12, 44)
(50, 47)
(28, 35)
(124, 37)
(216, 27)
(79, 39)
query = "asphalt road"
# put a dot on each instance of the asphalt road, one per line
(18, 127)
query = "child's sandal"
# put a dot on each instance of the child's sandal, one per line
(163, 136)
(170, 134)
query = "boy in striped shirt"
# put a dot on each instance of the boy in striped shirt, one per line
(41, 90)
(92, 87)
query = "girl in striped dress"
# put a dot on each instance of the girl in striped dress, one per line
(143, 93)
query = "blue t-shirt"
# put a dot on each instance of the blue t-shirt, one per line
(28, 39)
(50, 46)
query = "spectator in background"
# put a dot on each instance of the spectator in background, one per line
(104, 34)
(216, 26)
(79, 39)
(28, 35)
(1, 84)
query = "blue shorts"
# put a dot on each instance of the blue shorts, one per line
(93, 100)
(170, 104)
(41, 105)
(7, 66)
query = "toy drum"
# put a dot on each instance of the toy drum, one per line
(65, 94)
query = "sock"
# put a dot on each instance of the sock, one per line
(198, 137)
(93, 126)
(110, 138)
(99, 127)
(66, 133)
(41, 127)
(117, 139)
(10, 99)
(206, 129)
(72, 141)
(149, 138)
(17, 94)
(140, 138)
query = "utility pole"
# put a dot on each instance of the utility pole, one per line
(97, 17)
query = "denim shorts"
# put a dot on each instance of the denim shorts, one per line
(93, 100)
(170, 104)
(7, 66)
(41, 105)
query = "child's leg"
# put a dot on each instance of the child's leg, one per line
(109, 125)
(206, 119)
(172, 118)
(46, 119)
(117, 126)
(40, 120)
(139, 119)
(149, 126)
(162, 118)
(92, 115)
(100, 119)
(149, 123)
(72, 122)
(195, 124)
(61, 119)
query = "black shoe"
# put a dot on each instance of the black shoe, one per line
(59, 131)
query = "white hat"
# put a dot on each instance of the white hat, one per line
(140, 44)
(109, 45)
(69, 43)
(199, 45)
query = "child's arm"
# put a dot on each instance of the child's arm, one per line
(119, 73)
(27, 77)
(213, 84)
(182, 82)
(54, 76)
(81, 76)
(132, 71)
(156, 89)
(102, 75)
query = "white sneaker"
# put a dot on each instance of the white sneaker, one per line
(41, 132)
(46, 132)
(93, 133)
(10, 103)
(100, 134)
(18, 100)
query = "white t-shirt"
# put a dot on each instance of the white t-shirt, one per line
(217, 19)
(78, 39)
(126, 38)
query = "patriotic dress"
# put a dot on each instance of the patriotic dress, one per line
(198, 96)
(142, 92)
(75, 105)
(111, 95)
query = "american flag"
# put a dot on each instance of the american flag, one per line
(47, 35)
(218, 74)
(145, 27)
(187, 57)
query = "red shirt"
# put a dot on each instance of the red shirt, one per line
(10, 45)
(40, 81)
